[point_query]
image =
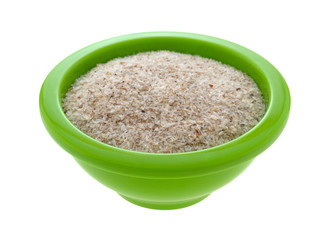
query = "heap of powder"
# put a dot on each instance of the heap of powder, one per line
(164, 102)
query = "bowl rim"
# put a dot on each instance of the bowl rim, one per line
(129, 162)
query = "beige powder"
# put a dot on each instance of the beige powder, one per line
(164, 102)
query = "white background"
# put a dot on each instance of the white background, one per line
(284, 194)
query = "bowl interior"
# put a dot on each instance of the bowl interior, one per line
(101, 155)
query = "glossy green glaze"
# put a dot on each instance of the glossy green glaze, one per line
(165, 181)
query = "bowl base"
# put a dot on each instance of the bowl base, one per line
(164, 205)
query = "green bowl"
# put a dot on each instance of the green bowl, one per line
(154, 180)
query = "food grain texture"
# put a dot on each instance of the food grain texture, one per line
(164, 102)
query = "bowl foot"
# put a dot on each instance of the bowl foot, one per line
(164, 205)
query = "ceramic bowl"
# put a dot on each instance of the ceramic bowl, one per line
(165, 181)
